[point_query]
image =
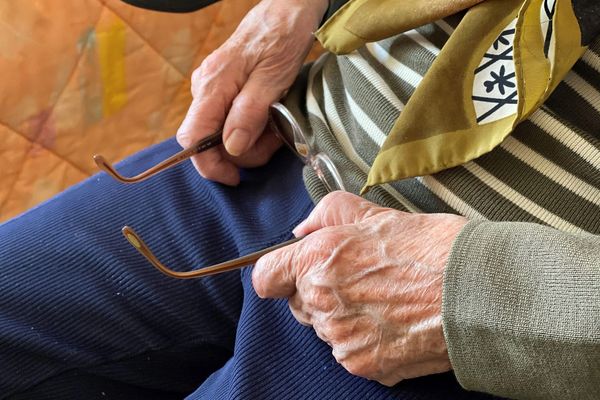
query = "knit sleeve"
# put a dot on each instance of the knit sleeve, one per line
(521, 311)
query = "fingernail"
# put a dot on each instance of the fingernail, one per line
(238, 142)
(183, 133)
(298, 229)
(183, 139)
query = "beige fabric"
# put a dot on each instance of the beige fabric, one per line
(90, 76)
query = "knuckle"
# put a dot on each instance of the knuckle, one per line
(211, 64)
(250, 107)
(216, 74)
(333, 199)
(296, 304)
(300, 315)
(196, 76)
(195, 108)
(321, 298)
(330, 330)
(208, 171)
(258, 284)
(339, 202)
(357, 368)
(328, 237)
(357, 363)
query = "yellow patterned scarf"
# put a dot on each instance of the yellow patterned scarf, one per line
(500, 64)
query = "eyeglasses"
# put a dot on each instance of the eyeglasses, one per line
(283, 123)
(285, 126)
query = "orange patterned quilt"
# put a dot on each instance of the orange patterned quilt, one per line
(80, 77)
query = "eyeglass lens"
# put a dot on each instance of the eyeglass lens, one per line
(327, 172)
(290, 132)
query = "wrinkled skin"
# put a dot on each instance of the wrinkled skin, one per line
(235, 85)
(368, 279)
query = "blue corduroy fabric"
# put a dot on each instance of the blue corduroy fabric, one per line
(84, 316)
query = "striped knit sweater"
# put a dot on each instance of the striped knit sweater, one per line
(521, 297)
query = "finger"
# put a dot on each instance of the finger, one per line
(205, 117)
(214, 165)
(296, 307)
(337, 208)
(249, 112)
(274, 274)
(214, 86)
(259, 154)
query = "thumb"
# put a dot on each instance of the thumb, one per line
(249, 113)
(338, 208)
(274, 274)
(205, 116)
(209, 106)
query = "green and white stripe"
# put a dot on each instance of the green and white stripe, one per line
(547, 171)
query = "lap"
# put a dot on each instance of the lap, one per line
(76, 296)
(83, 315)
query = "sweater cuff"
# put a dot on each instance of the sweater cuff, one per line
(520, 311)
(458, 280)
(476, 303)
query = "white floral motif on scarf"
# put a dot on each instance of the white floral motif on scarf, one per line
(495, 85)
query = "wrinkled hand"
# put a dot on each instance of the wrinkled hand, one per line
(369, 281)
(236, 84)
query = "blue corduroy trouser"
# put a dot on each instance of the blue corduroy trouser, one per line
(84, 316)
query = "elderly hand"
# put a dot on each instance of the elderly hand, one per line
(369, 281)
(235, 85)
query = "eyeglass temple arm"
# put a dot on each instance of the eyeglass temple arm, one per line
(204, 144)
(237, 263)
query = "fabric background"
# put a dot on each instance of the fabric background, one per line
(92, 76)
